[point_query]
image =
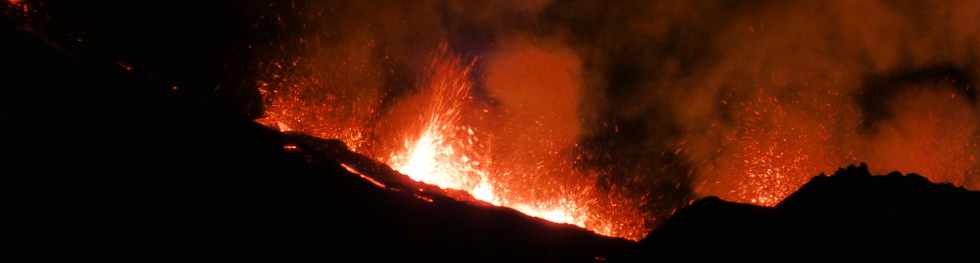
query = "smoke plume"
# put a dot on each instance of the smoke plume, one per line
(670, 100)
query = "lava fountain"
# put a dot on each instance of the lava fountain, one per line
(445, 152)
(440, 146)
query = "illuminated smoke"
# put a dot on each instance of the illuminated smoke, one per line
(762, 95)
(651, 102)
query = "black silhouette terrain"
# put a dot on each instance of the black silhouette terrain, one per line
(850, 212)
(112, 162)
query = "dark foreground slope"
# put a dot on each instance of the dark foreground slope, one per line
(849, 213)
(107, 162)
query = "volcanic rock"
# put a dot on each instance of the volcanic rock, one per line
(117, 164)
(849, 213)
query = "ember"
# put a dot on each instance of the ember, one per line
(614, 135)
(572, 126)
(440, 149)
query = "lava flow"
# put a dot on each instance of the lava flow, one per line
(439, 146)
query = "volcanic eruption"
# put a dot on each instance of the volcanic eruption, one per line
(580, 128)
(446, 142)
(532, 118)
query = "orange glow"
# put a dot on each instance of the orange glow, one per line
(24, 7)
(423, 198)
(436, 136)
(437, 155)
(774, 151)
(366, 178)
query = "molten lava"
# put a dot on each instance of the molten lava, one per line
(439, 146)
(442, 152)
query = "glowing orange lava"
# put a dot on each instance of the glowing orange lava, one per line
(437, 155)
(438, 146)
